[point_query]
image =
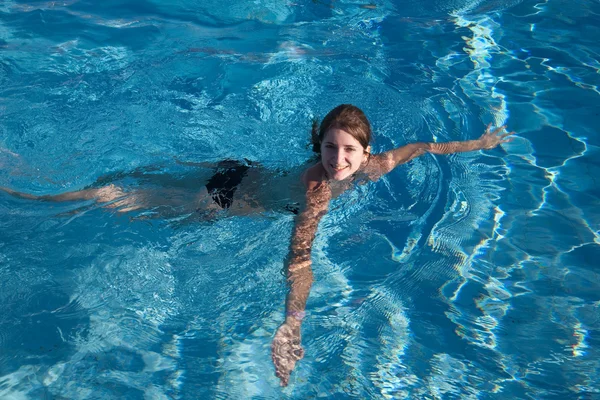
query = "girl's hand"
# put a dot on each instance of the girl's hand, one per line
(491, 139)
(286, 351)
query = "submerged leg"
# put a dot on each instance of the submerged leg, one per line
(19, 194)
(107, 194)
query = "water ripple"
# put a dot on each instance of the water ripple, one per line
(451, 277)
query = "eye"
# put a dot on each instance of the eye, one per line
(329, 146)
(350, 149)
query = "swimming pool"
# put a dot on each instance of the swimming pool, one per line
(466, 276)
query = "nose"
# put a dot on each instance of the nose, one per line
(339, 155)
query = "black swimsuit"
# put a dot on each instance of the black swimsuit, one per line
(228, 176)
(223, 184)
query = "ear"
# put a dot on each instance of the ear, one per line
(367, 153)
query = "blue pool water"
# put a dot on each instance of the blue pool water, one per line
(464, 276)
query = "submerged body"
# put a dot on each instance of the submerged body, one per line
(234, 187)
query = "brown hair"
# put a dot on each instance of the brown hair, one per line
(346, 117)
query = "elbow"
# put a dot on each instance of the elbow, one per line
(424, 147)
(419, 149)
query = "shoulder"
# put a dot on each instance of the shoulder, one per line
(378, 165)
(318, 191)
(314, 177)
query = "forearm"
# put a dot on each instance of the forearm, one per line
(385, 162)
(412, 150)
(299, 270)
(300, 282)
(453, 147)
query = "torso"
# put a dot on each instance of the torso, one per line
(264, 190)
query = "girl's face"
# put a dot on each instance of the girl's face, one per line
(341, 154)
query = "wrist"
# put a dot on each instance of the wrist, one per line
(477, 144)
(294, 318)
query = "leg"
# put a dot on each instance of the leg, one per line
(105, 194)
(19, 194)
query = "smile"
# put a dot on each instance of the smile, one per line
(338, 169)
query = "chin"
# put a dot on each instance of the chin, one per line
(340, 176)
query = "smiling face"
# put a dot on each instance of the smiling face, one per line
(341, 154)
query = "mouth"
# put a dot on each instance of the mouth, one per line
(338, 168)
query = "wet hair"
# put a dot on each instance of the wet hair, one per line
(346, 117)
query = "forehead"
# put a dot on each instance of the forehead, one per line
(340, 137)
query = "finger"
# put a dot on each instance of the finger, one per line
(498, 130)
(282, 375)
(489, 127)
(507, 134)
(507, 140)
(298, 354)
(284, 379)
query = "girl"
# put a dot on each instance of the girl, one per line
(343, 143)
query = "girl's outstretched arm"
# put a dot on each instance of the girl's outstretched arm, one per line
(286, 349)
(387, 161)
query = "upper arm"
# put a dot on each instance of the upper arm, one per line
(383, 163)
(317, 197)
(307, 222)
(313, 177)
